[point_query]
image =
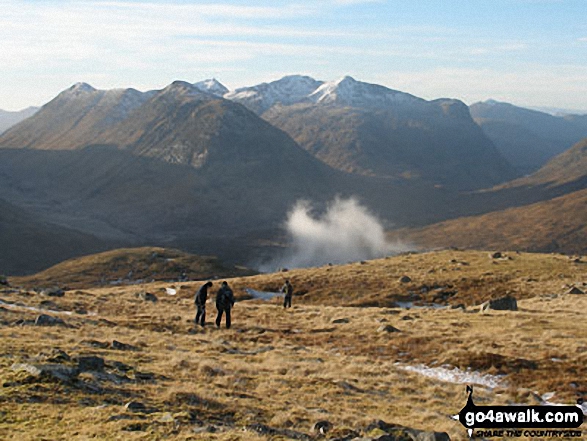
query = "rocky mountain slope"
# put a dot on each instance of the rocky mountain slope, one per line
(371, 130)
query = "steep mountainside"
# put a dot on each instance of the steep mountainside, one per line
(8, 119)
(28, 244)
(371, 130)
(528, 138)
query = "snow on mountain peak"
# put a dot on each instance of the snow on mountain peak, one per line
(212, 86)
(79, 88)
(348, 91)
(288, 90)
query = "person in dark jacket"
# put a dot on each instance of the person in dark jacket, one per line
(224, 303)
(287, 290)
(200, 301)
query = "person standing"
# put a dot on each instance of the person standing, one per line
(224, 303)
(287, 290)
(200, 301)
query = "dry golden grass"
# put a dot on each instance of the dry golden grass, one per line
(290, 369)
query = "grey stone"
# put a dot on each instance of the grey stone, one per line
(147, 296)
(90, 363)
(341, 320)
(405, 279)
(322, 427)
(507, 303)
(574, 290)
(123, 346)
(135, 406)
(387, 328)
(47, 320)
(49, 371)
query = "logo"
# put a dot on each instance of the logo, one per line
(512, 420)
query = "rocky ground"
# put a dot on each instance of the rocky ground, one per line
(372, 350)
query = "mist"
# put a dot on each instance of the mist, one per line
(345, 232)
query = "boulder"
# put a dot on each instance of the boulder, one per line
(405, 279)
(147, 296)
(507, 303)
(322, 427)
(387, 328)
(53, 292)
(496, 255)
(4, 281)
(574, 290)
(90, 363)
(122, 346)
(47, 320)
(48, 371)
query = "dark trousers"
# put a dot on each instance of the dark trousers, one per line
(287, 302)
(219, 317)
(201, 315)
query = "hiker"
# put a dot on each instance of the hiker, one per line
(224, 302)
(287, 289)
(200, 301)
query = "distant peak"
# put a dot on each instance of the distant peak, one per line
(212, 86)
(346, 79)
(81, 88)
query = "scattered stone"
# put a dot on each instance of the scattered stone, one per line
(48, 304)
(136, 427)
(53, 292)
(574, 290)
(119, 346)
(405, 279)
(135, 406)
(387, 328)
(322, 427)
(341, 320)
(496, 255)
(4, 281)
(147, 296)
(56, 356)
(459, 306)
(48, 371)
(47, 320)
(90, 363)
(166, 418)
(144, 376)
(507, 303)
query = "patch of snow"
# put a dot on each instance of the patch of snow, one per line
(263, 295)
(34, 309)
(170, 291)
(454, 375)
(288, 90)
(211, 86)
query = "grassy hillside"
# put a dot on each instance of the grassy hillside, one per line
(556, 225)
(129, 265)
(276, 373)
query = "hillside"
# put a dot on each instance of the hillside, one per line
(118, 366)
(555, 225)
(527, 138)
(130, 266)
(29, 244)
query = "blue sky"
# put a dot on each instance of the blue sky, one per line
(528, 52)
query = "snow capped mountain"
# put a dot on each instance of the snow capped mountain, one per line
(286, 91)
(80, 88)
(348, 91)
(211, 86)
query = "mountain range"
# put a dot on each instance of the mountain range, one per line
(213, 171)
(8, 119)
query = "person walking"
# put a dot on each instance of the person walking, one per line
(287, 290)
(200, 301)
(224, 303)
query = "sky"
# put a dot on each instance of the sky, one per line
(527, 52)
